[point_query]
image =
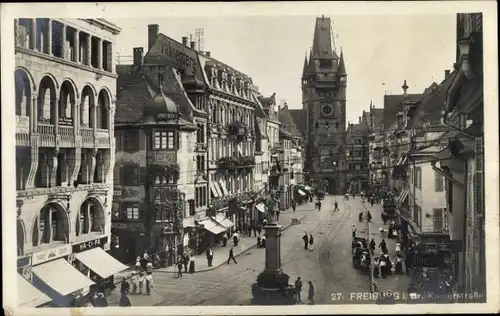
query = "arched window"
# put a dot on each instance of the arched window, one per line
(51, 225)
(66, 103)
(46, 101)
(86, 104)
(23, 93)
(102, 110)
(91, 218)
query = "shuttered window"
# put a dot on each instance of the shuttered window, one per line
(438, 220)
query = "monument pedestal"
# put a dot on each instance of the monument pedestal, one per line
(272, 286)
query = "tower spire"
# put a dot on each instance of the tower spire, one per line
(323, 39)
(341, 71)
(304, 70)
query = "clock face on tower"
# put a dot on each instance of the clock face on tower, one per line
(327, 110)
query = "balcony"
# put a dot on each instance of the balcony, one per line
(87, 137)
(67, 136)
(47, 135)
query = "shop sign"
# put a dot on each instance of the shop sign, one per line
(119, 225)
(22, 124)
(90, 244)
(162, 157)
(167, 116)
(51, 254)
(24, 261)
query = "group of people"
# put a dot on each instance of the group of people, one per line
(308, 241)
(188, 262)
(298, 291)
(139, 283)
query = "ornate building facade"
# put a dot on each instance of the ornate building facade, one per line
(65, 101)
(324, 84)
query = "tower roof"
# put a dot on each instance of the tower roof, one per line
(323, 41)
(304, 71)
(341, 70)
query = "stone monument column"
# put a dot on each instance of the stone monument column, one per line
(273, 247)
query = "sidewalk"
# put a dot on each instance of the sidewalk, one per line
(397, 283)
(220, 258)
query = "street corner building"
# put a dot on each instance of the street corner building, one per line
(324, 85)
(192, 151)
(65, 151)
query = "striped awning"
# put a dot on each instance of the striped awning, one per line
(402, 196)
(301, 192)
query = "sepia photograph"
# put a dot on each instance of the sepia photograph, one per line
(215, 158)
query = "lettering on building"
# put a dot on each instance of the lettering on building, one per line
(176, 54)
(90, 244)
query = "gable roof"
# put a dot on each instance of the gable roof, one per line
(429, 109)
(285, 118)
(298, 117)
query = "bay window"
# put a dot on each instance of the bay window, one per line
(164, 140)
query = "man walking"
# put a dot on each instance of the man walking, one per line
(383, 246)
(179, 267)
(298, 289)
(231, 256)
(294, 205)
(305, 238)
(311, 242)
(210, 256)
(336, 206)
(353, 231)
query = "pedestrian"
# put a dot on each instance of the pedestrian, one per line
(100, 300)
(353, 229)
(263, 241)
(124, 300)
(399, 264)
(149, 282)
(278, 215)
(336, 206)
(249, 229)
(231, 256)
(305, 238)
(224, 240)
(191, 264)
(294, 205)
(372, 246)
(388, 264)
(369, 216)
(210, 256)
(311, 241)
(135, 282)
(235, 239)
(125, 286)
(398, 249)
(298, 290)
(258, 241)
(138, 263)
(185, 262)
(140, 282)
(383, 246)
(376, 268)
(372, 201)
(383, 266)
(319, 205)
(259, 229)
(310, 296)
(179, 267)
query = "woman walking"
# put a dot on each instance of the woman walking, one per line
(191, 264)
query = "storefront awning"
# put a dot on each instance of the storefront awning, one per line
(212, 226)
(402, 160)
(100, 262)
(215, 192)
(301, 192)
(402, 197)
(188, 222)
(261, 207)
(224, 221)
(62, 276)
(28, 295)
(223, 187)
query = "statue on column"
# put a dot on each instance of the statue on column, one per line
(271, 203)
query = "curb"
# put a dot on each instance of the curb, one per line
(237, 255)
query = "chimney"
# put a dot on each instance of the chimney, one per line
(193, 45)
(153, 30)
(138, 56)
(185, 41)
(207, 53)
(359, 119)
(446, 73)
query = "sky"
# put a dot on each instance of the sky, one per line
(378, 50)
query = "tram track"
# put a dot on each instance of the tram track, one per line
(325, 249)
